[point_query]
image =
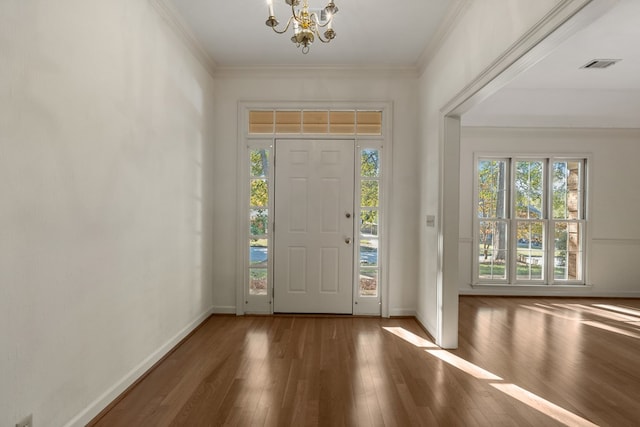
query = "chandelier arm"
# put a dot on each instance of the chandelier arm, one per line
(320, 37)
(294, 15)
(285, 28)
(316, 20)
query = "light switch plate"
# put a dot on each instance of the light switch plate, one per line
(431, 220)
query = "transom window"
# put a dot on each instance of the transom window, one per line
(333, 122)
(530, 220)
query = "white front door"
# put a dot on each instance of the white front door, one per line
(313, 236)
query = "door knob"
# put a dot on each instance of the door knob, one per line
(348, 215)
(347, 240)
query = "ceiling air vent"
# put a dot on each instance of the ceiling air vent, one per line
(600, 63)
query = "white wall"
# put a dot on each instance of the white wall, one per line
(613, 238)
(315, 86)
(104, 121)
(480, 36)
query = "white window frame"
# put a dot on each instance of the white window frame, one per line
(257, 303)
(547, 219)
(368, 304)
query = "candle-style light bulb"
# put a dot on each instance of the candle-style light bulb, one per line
(270, 3)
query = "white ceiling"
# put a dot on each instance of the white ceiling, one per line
(557, 92)
(371, 33)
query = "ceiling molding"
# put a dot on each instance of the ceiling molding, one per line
(584, 132)
(169, 14)
(293, 72)
(454, 12)
(554, 122)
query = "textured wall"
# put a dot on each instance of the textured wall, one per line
(105, 119)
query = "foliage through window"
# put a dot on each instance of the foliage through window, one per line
(530, 221)
(369, 215)
(259, 221)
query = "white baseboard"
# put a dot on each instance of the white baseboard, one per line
(431, 329)
(120, 386)
(547, 291)
(401, 312)
(224, 309)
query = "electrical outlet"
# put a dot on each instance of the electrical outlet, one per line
(26, 422)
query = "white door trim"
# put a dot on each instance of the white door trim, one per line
(242, 194)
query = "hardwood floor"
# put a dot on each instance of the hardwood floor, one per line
(521, 362)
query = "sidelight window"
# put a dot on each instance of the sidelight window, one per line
(369, 269)
(259, 235)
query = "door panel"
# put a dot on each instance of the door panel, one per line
(313, 249)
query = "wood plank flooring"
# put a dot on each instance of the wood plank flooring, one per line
(521, 362)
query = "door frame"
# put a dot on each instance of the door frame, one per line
(264, 304)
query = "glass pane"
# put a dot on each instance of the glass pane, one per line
(530, 250)
(370, 163)
(369, 282)
(261, 122)
(259, 193)
(369, 194)
(369, 122)
(368, 251)
(529, 182)
(258, 281)
(492, 189)
(369, 223)
(315, 121)
(567, 194)
(568, 251)
(342, 122)
(259, 163)
(258, 252)
(259, 222)
(493, 250)
(288, 121)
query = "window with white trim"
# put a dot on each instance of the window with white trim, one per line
(530, 221)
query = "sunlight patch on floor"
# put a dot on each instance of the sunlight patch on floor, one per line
(530, 399)
(409, 337)
(610, 328)
(624, 310)
(463, 365)
(550, 311)
(536, 402)
(599, 312)
(628, 318)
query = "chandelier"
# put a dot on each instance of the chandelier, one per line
(307, 23)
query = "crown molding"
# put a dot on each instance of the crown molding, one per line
(451, 17)
(292, 72)
(169, 14)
